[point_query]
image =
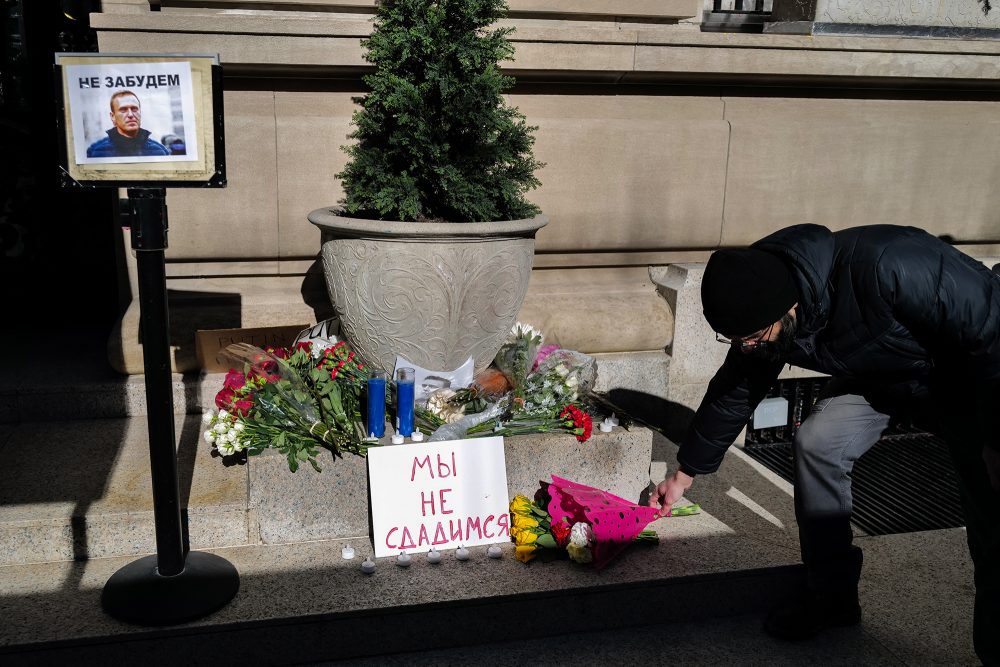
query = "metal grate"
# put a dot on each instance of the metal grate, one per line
(905, 483)
(736, 15)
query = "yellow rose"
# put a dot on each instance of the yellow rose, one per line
(520, 505)
(521, 521)
(525, 553)
(524, 537)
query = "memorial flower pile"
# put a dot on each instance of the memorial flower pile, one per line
(290, 400)
(584, 524)
(530, 388)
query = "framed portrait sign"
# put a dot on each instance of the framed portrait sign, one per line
(141, 120)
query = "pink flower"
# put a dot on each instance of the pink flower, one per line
(543, 352)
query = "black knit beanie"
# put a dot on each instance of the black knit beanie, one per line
(745, 290)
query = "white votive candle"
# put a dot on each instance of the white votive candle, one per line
(494, 551)
(606, 426)
(347, 553)
(397, 439)
(417, 436)
(403, 559)
(462, 553)
(433, 556)
(368, 567)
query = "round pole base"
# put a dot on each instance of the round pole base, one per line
(138, 594)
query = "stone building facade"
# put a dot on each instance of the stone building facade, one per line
(662, 142)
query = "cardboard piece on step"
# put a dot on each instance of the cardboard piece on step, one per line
(210, 342)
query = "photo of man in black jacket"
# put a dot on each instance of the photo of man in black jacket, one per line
(127, 138)
(905, 325)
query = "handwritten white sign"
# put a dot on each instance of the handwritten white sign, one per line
(438, 494)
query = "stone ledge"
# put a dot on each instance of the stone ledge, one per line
(662, 10)
(304, 506)
(317, 24)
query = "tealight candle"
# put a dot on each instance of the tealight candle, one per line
(433, 556)
(403, 559)
(613, 419)
(494, 551)
(347, 553)
(417, 436)
(607, 425)
(368, 567)
(462, 553)
(397, 439)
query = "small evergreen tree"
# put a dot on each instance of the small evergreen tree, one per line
(434, 138)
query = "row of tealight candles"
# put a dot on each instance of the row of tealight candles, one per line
(404, 559)
(404, 406)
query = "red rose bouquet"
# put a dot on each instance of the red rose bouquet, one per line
(289, 400)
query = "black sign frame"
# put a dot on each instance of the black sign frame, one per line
(217, 177)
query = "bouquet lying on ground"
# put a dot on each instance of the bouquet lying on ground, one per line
(530, 388)
(587, 524)
(292, 400)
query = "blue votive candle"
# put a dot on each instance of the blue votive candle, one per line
(404, 401)
(376, 405)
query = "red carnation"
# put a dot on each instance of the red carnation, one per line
(306, 346)
(582, 423)
(561, 532)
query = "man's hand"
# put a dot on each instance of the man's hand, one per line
(991, 457)
(669, 491)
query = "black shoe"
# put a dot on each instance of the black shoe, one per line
(810, 614)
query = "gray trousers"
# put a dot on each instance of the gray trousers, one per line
(841, 427)
(844, 425)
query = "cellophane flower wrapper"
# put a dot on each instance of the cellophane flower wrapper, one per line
(517, 356)
(615, 521)
(459, 429)
(560, 379)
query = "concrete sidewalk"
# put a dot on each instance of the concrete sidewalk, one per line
(916, 592)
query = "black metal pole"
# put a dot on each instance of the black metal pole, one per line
(173, 586)
(149, 240)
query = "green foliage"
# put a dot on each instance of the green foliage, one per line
(434, 138)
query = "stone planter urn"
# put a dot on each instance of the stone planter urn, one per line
(434, 293)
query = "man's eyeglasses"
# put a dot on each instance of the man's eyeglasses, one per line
(755, 341)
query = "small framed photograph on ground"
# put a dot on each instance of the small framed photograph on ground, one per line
(141, 120)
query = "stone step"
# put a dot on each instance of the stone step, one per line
(303, 603)
(82, 489)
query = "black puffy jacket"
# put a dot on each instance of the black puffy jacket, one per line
(888, 305)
